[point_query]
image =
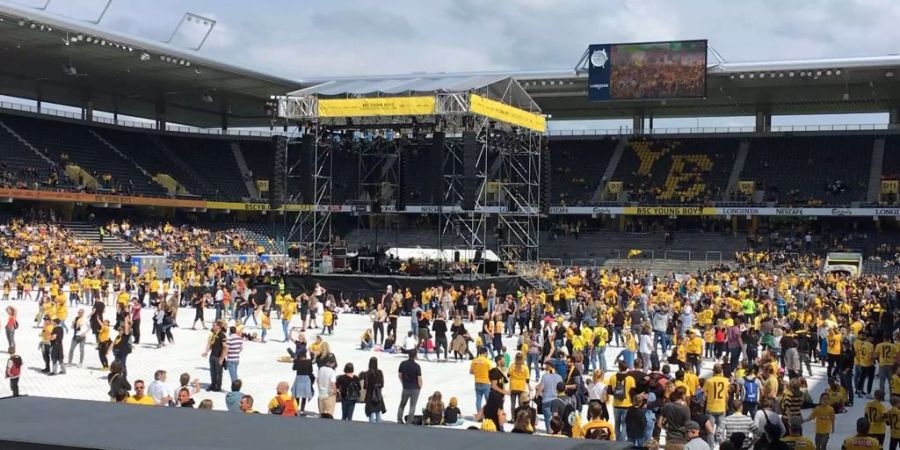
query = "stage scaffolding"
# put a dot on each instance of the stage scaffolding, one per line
(507, 179)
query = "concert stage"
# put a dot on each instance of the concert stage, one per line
(356, 285)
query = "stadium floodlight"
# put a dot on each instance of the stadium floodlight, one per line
(188, 64)
(751, 76)
(791, 74)
(88, 39)
(80, 37)
(837, 72)
(818, 73)
(742, 76)
(145, 56)
(762, 75)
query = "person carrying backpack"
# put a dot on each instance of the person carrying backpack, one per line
(750, 387)
(565, 408)
(349, 391)
(283, 404)
(619, 388)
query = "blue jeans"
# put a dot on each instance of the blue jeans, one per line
(375, 417)
(534, 364)
(481, 393)
(661, 338)
(347, 407)
(619, 421)
(600, 354)
(284, 327)
(232, 369)
(548, 414)
(218, 311)
(628, 356)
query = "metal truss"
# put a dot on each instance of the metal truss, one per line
(379, 169)
(313, 228)
(519, 190)
(468, 227)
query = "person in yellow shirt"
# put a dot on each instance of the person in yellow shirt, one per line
(265, 322)
(328, 321)
(833, 344)
(479, 368)
(892, 418)
(862, 440)
(874, 413)
(518, 380)
(864, 360)
(621, 384)
(885, 352)
(139, 398)
(824, 417)
(795, 439)
(716, 389)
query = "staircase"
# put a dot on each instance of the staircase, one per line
(875, 170)
(738, 166)
(119, 152)
(27, 144)
(610, 169)
(245, 171)
(173, 157)
(113, 245)
(537, 283)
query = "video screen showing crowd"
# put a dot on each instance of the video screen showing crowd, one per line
(658, 70)
(737, 356)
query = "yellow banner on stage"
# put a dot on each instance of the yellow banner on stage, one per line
(890, 186)
(669, 211)
(383, 106)
(509, 114)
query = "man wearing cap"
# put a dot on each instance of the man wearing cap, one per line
(695, 442)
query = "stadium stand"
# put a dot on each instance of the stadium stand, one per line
(22, 167)
(677, 170)
(213, 158)
(810, 170)
(69, 143)
(578, 168)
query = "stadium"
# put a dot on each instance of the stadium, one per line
(730, 286)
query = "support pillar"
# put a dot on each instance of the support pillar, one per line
(88, 111)
(650, 120)
(637, 123)
(116, 109)
(763, 121)
(39, 90)
(894, 118)
(224, 114)
(161, 114)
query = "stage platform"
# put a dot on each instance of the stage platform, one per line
(356, 285)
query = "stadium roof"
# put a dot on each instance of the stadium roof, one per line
(89, 424)
(109, 69)
(116, 77)
(498, 86)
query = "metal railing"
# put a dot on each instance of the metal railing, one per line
(677, 255)
(713, 253)
(134, 124)
(621, 131)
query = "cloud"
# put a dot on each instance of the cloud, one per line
(358, 37)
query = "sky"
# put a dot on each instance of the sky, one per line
(306, 39)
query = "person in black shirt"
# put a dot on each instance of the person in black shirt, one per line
(498, 381)
(439, 326)
(215, 350)
(56, 348)
(411, 378)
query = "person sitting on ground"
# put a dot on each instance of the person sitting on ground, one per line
(452, 414)
(433, 413)
(366, 341)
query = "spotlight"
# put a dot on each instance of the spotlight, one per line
(130, 49)
(837, 72)
(732, 77)
(762, 75)
(751, 76)
(818, 73)
(74, 39)
(188, 64)
(103, 42)
(70, 70)
(145, 56)
(182, 62)
(33, 26)
(206, 98)
(791, 74)
(80, 37)
(88, 39)
(742, 76)
(21, 23)
(828, 72)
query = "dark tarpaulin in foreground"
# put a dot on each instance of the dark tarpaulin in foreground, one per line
(353, 286)
(53, 423)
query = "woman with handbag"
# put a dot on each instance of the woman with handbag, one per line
(372, 383)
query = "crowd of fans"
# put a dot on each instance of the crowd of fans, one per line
(538, 359)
